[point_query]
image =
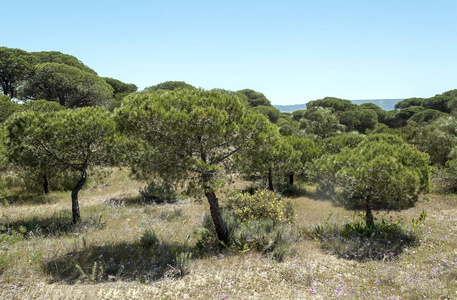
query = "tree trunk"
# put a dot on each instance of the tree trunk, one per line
(369, 219)
(221, 228)
(74, 196)
(291, 179)
(45, 184)
(270, 179)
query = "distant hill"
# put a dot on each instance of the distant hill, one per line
(386, 104)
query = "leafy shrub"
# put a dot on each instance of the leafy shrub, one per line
(149, 239)
(445, 179)
(260, 205)
(207, 236)
(11, 236)
(260, 235)
(181, 267)
(159, 193)
(264, 236)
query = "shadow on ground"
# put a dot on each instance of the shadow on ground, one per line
(356, 241)
(123, 261)
(56, 225)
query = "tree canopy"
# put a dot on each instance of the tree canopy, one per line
(254, 98)
(375, 175)
(62, 140)
(190, 136)
(16, 65)
(170, 86)
(67, 85)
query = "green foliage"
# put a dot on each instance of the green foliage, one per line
(320, 122)
(65, 138)
(42, 106)
(383, 128)
(7, 108)
(186, 133)
(69, 86)
(60, 58)
(409, 102)
(375, 175)
(254, 98)
(287, 125)
(149, 239)
(382, 114)
(333, 145)
(445, 178)
(16, 65)
(272, 157)
(120, 89)
(438, 102)
(189, 137)
(335, 104)
(50, 143)
(262, 235)
(426, 116)
(207, 236)
(182, 261)
(391, 139)
(438, 139)
(360, 119)
(170, 86)
(272, 113)
(159, 192)
(262, 204)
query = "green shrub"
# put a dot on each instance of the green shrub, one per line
(159, 192)
(264, 236)
(444, 179)
(207, 236)
(149, 239)
(262, 204)
(182, 261)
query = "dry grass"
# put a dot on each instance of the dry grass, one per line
(43, 265)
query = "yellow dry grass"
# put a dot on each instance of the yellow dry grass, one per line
(308, 272)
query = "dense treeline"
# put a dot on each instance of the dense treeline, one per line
(58, 117)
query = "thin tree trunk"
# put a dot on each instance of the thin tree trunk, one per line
(221, 228)
(270, 179)
(369, 219)
(74, 196)
(45, 184)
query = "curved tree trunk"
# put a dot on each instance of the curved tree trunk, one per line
(45, 184)
(221, 228)
(74, 196)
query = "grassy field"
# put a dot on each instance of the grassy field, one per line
(46, 257)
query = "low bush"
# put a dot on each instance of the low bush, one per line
(159, 192)
(149, 239)
(444, 179)
(262, 204)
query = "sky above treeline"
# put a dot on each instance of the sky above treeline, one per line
(292, 51)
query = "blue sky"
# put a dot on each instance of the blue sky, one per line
(292, 51)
